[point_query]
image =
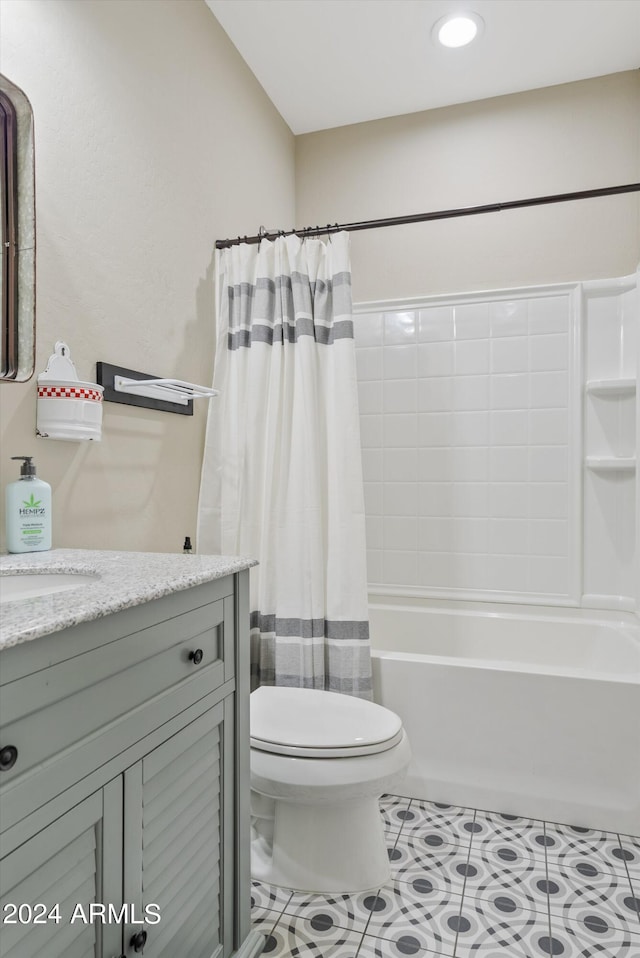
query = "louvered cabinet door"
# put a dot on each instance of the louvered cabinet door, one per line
(174, 809)
(55, 877)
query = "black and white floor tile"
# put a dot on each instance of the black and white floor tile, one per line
(470, 884)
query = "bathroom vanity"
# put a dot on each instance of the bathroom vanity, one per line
(124, 758)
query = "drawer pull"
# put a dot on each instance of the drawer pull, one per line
(138, 941)
(197, 656)
(8, 757)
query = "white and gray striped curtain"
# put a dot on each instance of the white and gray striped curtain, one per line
(282, 475)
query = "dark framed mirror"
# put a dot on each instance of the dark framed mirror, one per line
(17, 235)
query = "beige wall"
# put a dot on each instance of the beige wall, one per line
(576, 136)
(153, 139)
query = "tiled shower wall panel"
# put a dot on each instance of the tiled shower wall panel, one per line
(464, 412)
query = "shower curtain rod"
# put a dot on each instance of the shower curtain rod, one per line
(436, 215)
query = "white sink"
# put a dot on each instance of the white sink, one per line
(29, 585)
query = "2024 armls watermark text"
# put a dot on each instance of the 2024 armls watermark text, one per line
(89, 914)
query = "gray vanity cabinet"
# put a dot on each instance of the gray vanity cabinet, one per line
(130, 788)
(67, 864)
(173, 839)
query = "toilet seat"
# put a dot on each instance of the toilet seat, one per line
(310, 723)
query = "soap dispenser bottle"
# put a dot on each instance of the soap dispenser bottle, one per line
(28, 511)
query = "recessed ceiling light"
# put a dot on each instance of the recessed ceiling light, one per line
(458, 29)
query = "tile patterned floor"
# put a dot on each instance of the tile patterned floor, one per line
(470, 884)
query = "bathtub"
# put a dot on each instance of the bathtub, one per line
(530, 711)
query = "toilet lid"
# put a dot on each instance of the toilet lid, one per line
(318, 724)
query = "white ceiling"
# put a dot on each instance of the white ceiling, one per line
(327, 63)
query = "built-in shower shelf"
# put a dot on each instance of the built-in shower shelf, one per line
(611, 387)
(611, 463)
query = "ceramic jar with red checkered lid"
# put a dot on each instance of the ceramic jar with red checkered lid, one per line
(67, 407)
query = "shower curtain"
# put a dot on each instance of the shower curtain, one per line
(282, 475)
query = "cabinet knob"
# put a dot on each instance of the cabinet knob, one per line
(138, 941)
(197, 656)
(8, 757)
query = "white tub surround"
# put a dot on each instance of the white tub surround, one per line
(529, 711)
(123, 580)
(499, 434)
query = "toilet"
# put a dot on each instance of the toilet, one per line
(319, 763)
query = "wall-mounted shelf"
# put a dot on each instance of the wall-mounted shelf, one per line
(172, 390)
(141, 389)
(611, 387)
(611, 463)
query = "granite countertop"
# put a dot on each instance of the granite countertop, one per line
(123, 580)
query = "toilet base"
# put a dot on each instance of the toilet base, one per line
(318, 848)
